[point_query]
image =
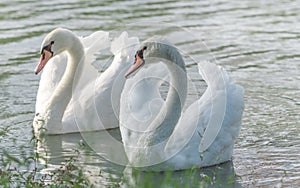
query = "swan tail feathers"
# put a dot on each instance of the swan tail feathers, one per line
(226, 100)
(124, 44)
(94, 43)
(215, 76)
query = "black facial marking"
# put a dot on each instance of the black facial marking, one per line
(48, 48)
(140, 53)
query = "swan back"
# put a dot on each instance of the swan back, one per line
(93, 44)
(124, 45)
(196, 127)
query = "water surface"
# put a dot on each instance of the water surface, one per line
(256, 41)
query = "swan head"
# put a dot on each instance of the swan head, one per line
(54, 43)
(154, 47)
(138, 62)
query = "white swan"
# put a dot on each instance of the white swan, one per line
(201, 136)
(91, 107)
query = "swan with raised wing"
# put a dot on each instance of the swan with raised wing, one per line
(71, 96)
(202, 135)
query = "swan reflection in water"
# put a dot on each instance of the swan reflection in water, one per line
(100, 171)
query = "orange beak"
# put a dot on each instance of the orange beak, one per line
(137, 64)
(45, 56)
(139, 61)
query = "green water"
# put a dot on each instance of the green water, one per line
(256, 41)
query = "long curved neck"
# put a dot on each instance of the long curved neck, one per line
(63, 92)
(163, 125)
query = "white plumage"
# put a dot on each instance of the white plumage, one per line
(72, 97)
(172, 140)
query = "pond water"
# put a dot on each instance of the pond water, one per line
(257, 42)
